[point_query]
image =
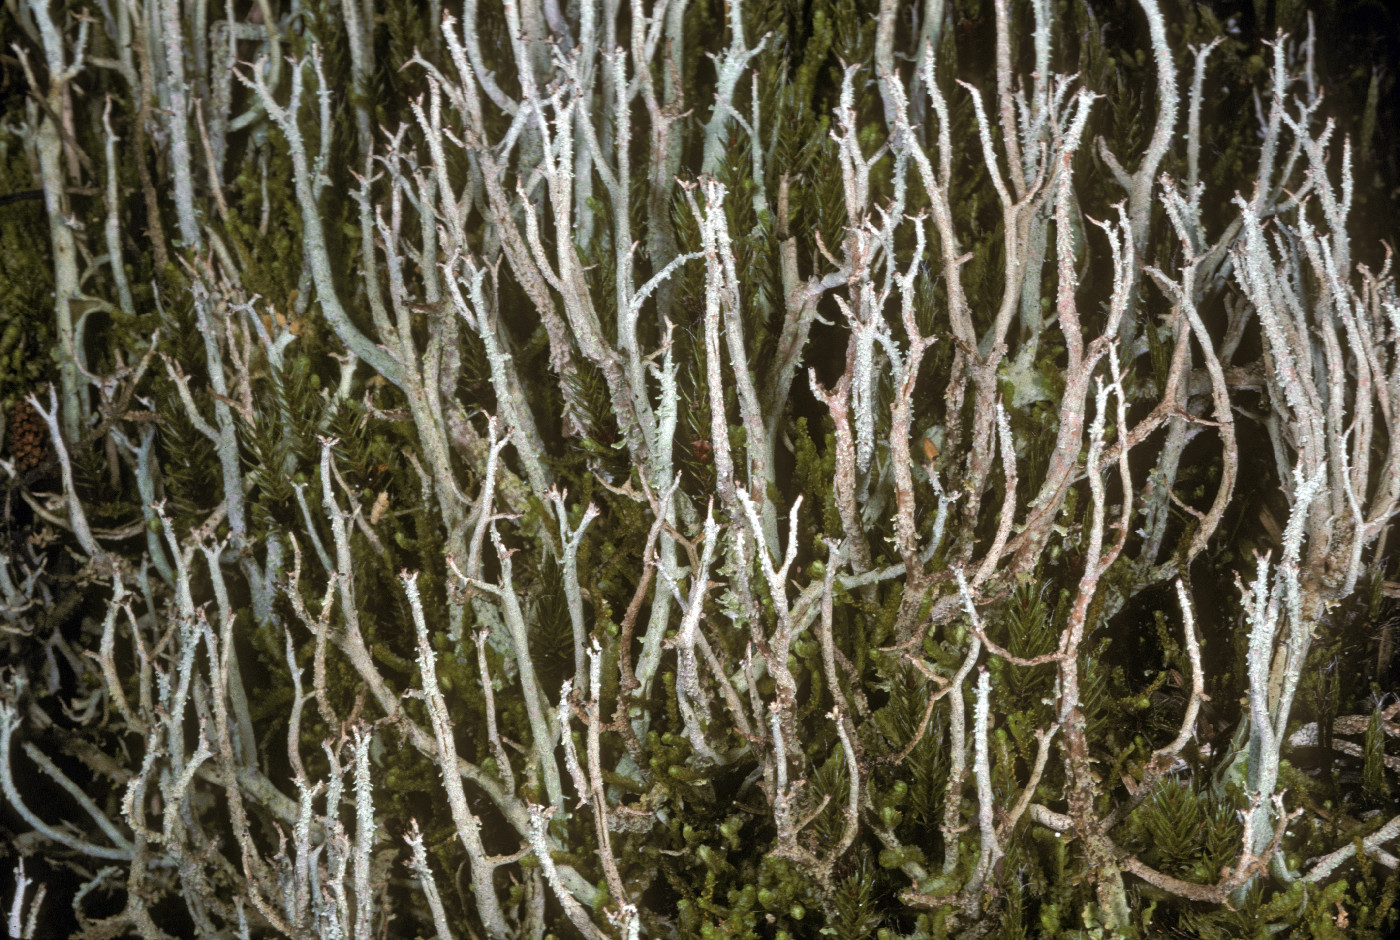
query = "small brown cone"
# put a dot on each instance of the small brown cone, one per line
(25, 437)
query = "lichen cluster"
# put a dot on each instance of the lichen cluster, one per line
(841, 752)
